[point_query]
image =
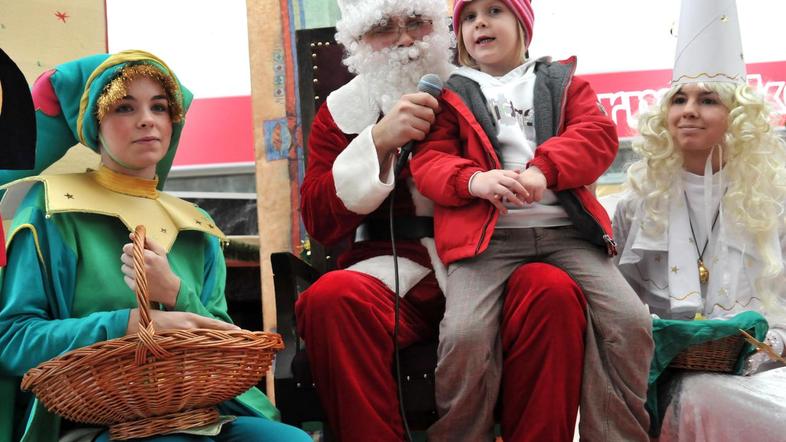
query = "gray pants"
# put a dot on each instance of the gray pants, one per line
(618, 338)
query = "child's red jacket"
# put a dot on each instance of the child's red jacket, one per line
(576, 141)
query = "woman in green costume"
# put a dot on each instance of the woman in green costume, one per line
(64, 286)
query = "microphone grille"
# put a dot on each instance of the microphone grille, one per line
(431, 84)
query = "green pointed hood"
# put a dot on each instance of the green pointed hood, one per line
(65, 101)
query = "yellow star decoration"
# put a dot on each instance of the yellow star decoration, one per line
(675, 269)
(714, 259)
(723, 291)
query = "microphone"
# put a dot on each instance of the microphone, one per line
(432, 85)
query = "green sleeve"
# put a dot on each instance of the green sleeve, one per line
(37, 291)
(206, 297)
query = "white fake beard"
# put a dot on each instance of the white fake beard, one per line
(395, 71)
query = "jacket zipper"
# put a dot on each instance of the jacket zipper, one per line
(491, 212)
(483, 232)
(611, 245)
(564, 98)
(493, 163)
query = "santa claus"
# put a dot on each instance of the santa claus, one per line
(347, 316)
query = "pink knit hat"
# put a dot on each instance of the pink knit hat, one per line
(522, 9)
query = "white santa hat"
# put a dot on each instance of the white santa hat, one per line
(358, 16)
(709, 47)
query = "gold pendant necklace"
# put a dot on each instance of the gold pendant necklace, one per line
(704, 273)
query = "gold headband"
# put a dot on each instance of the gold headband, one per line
(116, 89)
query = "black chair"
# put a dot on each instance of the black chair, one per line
(321, 71)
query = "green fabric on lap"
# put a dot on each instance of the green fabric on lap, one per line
(673, 336)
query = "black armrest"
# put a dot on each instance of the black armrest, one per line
(295, 398)
(291, 276)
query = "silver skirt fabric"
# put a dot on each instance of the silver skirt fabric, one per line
(719, 407)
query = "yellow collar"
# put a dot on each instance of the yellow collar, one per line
(126, 184)
(164, 215)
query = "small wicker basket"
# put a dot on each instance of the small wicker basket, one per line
(152, 383)
(719, 355)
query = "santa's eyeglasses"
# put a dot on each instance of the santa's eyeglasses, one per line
(390, 32)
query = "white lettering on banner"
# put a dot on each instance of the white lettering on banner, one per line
(773, 90)
(631, 104)
(625, 106)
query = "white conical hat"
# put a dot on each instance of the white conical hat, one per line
(358, 16)
(709, 47)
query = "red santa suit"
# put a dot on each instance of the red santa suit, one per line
(347, 316)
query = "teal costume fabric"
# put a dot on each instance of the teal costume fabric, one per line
(673, 336)
(72, 259)
(63, 288)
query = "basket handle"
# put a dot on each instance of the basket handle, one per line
(147, 343)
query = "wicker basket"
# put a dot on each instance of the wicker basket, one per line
(719, 355)
(154, 382)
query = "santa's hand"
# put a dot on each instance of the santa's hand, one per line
(163, 320)
(497, 186)
(162, 284)
(409, 119)
(754, 361)
(533, 180)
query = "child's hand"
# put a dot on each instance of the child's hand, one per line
(534, 182)
(497, 186)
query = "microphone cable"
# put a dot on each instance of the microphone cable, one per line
(431, 84)
(396, 308)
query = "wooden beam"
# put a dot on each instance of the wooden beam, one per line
(274, 207)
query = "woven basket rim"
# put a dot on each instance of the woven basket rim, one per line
(72, 360)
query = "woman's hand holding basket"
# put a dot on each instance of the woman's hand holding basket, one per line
(162, 284)
(165, 320)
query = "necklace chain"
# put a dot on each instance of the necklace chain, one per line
(693, 234)
(704, 274)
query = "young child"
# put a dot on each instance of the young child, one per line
(508, 163)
